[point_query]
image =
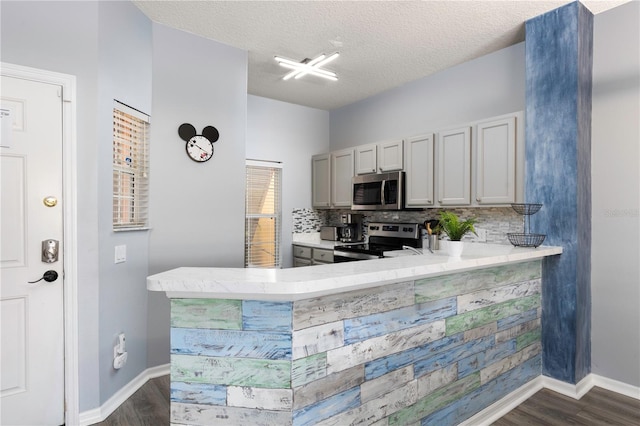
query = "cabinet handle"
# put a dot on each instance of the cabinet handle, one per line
(440, 201)
(428, 201)
(478, 199)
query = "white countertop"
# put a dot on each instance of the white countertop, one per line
(319, 280)
(312, 239)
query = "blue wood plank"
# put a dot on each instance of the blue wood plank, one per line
(326, 408)
(198, 393)
(517, 319)
(450, 356)
(231, 343)
(480, 360)
(384, 365)
(366, 327)
(485, 395)
(265, 315)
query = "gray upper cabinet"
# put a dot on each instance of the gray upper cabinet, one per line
(495, 161)
(390, 156)
(321, 181)
(454, 167)
(419, 171)
(342, 171)
(379, 157)
(366, 159)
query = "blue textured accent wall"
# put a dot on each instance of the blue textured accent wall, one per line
(558, 174)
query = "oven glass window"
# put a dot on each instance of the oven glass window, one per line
(367, 194)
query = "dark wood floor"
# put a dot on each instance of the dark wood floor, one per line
(598, 407)
(149, 406)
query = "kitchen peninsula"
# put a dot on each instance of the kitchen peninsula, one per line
(398, 340)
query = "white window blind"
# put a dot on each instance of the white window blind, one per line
(263, 214)
(130, 168)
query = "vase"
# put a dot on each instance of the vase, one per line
(454, 248)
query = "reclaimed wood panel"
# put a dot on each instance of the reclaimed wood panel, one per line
(308, 369)
(263, 399)
(377, 347)
(327, 408)
(266, 315)
(230, 343)
(200, 414)
(206, 313)
(325, 309)
(480, 299)
(452, 285)
(231, 371)
(321, 338)
(327, 386)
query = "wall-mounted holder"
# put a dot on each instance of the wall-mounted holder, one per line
(526, 238)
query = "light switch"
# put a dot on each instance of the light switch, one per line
(121, 254)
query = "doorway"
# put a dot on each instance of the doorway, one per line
(32, 257)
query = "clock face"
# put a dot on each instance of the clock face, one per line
(199, 148)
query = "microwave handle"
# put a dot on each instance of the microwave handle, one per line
(384, 183)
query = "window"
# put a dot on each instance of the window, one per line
(263, 214)
(130, 168)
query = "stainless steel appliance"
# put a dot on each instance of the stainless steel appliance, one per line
(352, 228)
(384, 191)
(331, 233)
(383, 237)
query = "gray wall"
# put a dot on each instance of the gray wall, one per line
(124, 37)
(197, 209)
(279, 131)
(485, 87)
(615, 279)
(63, 37)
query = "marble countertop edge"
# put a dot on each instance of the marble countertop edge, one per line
(315, 281)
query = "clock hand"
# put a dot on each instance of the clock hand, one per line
(200, 148)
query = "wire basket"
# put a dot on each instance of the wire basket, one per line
(526, 240)
(526, 209)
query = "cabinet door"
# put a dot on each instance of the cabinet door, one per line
(454, 167)
(321, 181)
(341, 173)
(419, 171)
(366, 159)
(390, 156)
(495, 171)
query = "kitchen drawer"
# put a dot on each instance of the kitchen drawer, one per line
(300, 251)
(301, 262)
(322, 256)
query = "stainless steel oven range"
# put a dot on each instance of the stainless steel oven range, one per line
(383, 237)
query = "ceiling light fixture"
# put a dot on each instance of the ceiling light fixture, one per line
(309, 66)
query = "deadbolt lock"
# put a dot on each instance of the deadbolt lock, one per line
(50, 250)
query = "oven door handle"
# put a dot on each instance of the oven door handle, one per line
(384, 183)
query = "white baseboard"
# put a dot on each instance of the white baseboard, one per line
(499, 408)
(616, 386)
(99, 414)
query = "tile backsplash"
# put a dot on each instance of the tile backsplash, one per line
(497, 221)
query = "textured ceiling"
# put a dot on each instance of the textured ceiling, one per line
(382, 44)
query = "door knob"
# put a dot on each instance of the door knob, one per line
(50, 201)
(48, 276)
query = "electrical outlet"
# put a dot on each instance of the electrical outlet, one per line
(481, 235)
(121, 254)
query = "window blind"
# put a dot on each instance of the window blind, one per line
(130, 168)
(263, 204)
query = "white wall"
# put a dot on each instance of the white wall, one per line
(485, 87)
(615, 271)
(197, 209)
(291, 134)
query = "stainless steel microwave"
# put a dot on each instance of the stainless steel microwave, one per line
(384, 191)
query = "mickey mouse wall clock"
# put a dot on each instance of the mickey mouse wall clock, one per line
(199, 147)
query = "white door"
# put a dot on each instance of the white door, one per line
(32, 363)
